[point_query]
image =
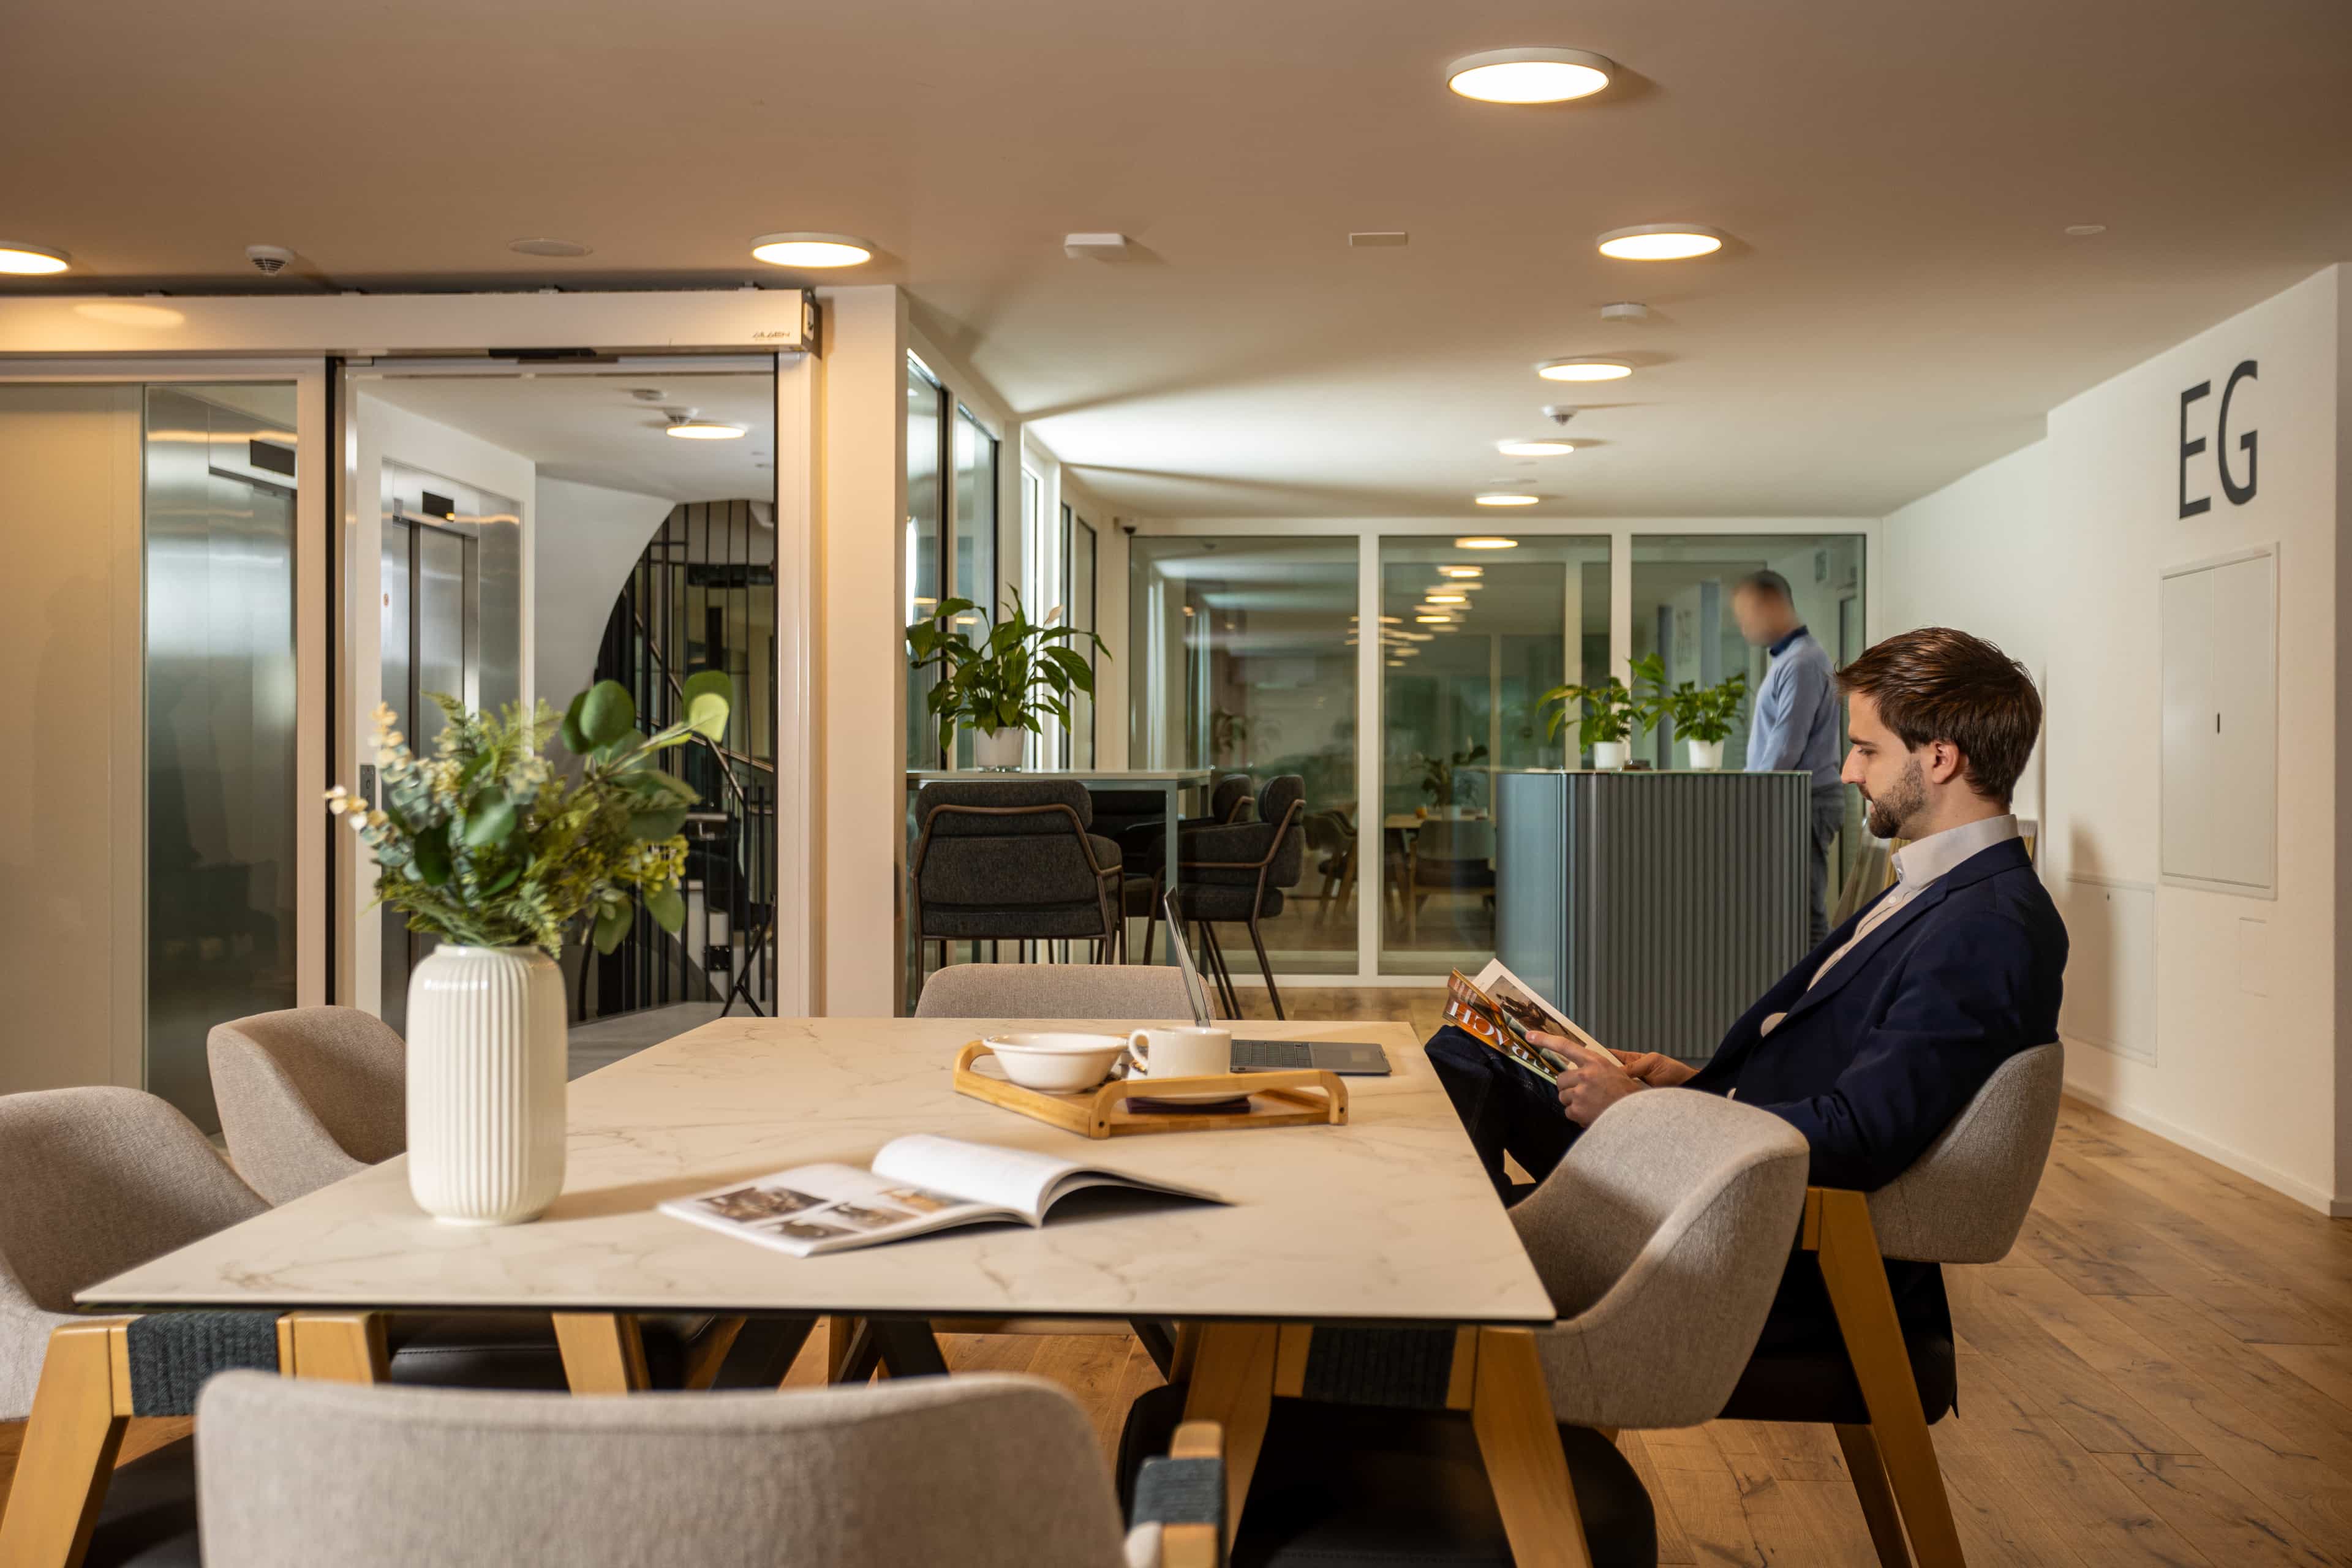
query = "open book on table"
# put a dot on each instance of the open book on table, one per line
(1501, 1010)
(918, 1183)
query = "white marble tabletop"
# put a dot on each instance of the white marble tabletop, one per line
(1387, 1218)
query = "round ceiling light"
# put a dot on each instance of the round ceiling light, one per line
(31, 260)
(812, 249)
(692, 428)
(1434, 620)
(1485, 541)
(1583, 369)
(1462, 570)
(1661, 242)
(1537, 446)
(1503, 497)
(1445, 598)
(1529, 76)
(543, 245)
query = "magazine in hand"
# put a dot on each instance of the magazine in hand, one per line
(1501, 1010)
(918, 1183)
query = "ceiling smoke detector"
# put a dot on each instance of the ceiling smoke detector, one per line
(269, 260)
(1559, 412)
(1094, 246)
(1626, 310)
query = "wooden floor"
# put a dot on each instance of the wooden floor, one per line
(2160, 1374)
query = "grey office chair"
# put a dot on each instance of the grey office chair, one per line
(1660, 1236)
(1012, 860)
(1235, 872)
(307, 1096)
(979, 1472)
(1882, 1386)
(1055, 991)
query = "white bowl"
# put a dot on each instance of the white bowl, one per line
(1056, 1063)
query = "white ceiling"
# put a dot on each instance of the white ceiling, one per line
(590, 428)
(1901, 304)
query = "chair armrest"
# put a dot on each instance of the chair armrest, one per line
(1179, 1503)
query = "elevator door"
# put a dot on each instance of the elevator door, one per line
(432, 645)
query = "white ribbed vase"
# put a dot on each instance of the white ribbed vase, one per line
(486, 1058)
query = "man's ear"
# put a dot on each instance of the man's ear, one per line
(1945, 762)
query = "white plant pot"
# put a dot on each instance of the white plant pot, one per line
(486, 1061)
(1002, 750)
(1610, 753)
(1706, 756)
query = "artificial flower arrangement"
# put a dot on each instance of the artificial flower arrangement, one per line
(484, 844)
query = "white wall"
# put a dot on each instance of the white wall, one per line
(586, 538)
(2054, 552)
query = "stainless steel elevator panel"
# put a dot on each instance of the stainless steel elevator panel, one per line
(1653, 907)
(452, 624)
(222, 808)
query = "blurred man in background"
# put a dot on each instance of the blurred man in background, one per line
(1793, 726)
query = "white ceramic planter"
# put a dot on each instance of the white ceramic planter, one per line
(1002, 750)
(1706, 756)
(1610, 753)
(486, 1060)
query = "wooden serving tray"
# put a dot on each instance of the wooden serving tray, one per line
(1307, 1097)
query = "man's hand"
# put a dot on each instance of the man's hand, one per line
(1592, 1082)
(1657, 1072)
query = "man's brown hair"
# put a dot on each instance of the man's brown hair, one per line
(1938, 684)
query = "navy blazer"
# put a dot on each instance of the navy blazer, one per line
(1874, 1062)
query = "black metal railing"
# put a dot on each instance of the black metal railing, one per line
(694, 601)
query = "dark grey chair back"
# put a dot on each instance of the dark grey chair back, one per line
(1228, 799)
(1009, 858)
(1281, 800)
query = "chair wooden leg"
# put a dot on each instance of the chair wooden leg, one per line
(603, 1352)
(334, 1347)
(709, 1353)
(1265, 967)
(79, 1412)
(1510, 1410)
(1232, 1384)
(850, 1353)
(1878, 1509)
(1857, 1276)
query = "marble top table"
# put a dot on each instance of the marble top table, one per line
(1389, 1218)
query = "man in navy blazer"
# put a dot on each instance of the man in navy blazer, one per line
(1883, 1032)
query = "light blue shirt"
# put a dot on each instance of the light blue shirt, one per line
(1794, 726)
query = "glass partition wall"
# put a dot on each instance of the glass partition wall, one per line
(1243, 660)
(1470, 641)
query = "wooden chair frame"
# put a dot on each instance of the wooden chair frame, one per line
(1891, 1458)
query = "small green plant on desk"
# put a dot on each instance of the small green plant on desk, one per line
(1000, 678)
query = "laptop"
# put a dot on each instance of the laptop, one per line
(1349, 1058)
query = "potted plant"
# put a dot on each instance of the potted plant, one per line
(485, 846)
(1610, 712)
(1444, 779)
(1703, 716)
(998, 679)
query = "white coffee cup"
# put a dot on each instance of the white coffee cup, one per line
(1183, 1051)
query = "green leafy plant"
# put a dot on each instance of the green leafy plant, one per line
(1443, 777)
(1000, 677)
(1609, 713)
(483, 843)
(1706, 713)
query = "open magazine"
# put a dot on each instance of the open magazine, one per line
(918, 1183)
(1501, 1010)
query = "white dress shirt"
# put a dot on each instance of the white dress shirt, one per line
(1918, 865)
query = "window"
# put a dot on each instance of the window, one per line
(1078, 592)
(1243, 657)
(926, 522)
(1471, 640)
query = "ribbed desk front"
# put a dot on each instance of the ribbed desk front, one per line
(1653, 907)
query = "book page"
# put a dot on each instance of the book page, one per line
(1016, 1179)
(814, 1209)
(1524, 1007)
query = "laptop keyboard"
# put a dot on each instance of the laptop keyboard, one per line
(1272, 1055)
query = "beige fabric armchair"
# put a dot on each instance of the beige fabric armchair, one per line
(1137, 991)
(982, 1471)
(307, 1096)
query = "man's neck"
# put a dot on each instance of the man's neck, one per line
(1944, 816)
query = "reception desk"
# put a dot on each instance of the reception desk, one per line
(1652, 907)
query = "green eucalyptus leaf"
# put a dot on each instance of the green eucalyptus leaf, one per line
(716, 682)
(575, 740)
(667, 907)
(432, 865)
(613, 923)
(608, 714)
(651, 825)
(490, 822)
(706, 714)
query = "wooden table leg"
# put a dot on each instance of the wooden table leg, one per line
(708, 1354)
(851, 1353)
(603, 1352)
(1510, 1410)
(79, 1412)
(335, 1347)
(1232, 1384)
